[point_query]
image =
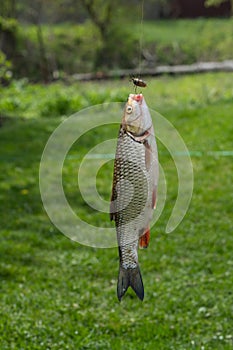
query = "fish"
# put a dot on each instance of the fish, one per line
(134, 191)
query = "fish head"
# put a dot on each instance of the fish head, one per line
(136, 118)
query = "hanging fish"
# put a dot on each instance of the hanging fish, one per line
(134, 188)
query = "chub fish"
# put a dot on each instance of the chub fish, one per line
(134, 188)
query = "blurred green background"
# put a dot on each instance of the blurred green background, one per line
(58, 294)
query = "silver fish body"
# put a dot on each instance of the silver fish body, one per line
(134, 190)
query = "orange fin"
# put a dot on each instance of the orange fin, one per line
(144, 239)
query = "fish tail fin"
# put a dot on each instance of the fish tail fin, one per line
(130, 278)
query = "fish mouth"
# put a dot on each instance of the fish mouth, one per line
(136, 97)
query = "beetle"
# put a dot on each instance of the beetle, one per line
(138, 82)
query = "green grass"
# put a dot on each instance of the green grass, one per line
(57, 294)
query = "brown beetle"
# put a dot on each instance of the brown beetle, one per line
(139, 82)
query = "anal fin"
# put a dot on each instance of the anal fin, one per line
(144, 239)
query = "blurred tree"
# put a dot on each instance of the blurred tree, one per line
(101, 13)
(8, 8)
(8, 32)
(65, 11)
(58, 11)
(35, 13)
(217, 3)
(5, 69)
(107, 16)
(8, 29)
(155, 9)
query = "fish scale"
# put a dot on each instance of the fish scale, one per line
(130, 216)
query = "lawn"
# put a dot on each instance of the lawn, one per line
(58, 294)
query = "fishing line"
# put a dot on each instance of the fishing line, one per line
(141, 38)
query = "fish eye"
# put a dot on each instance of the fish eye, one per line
(129, 109)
